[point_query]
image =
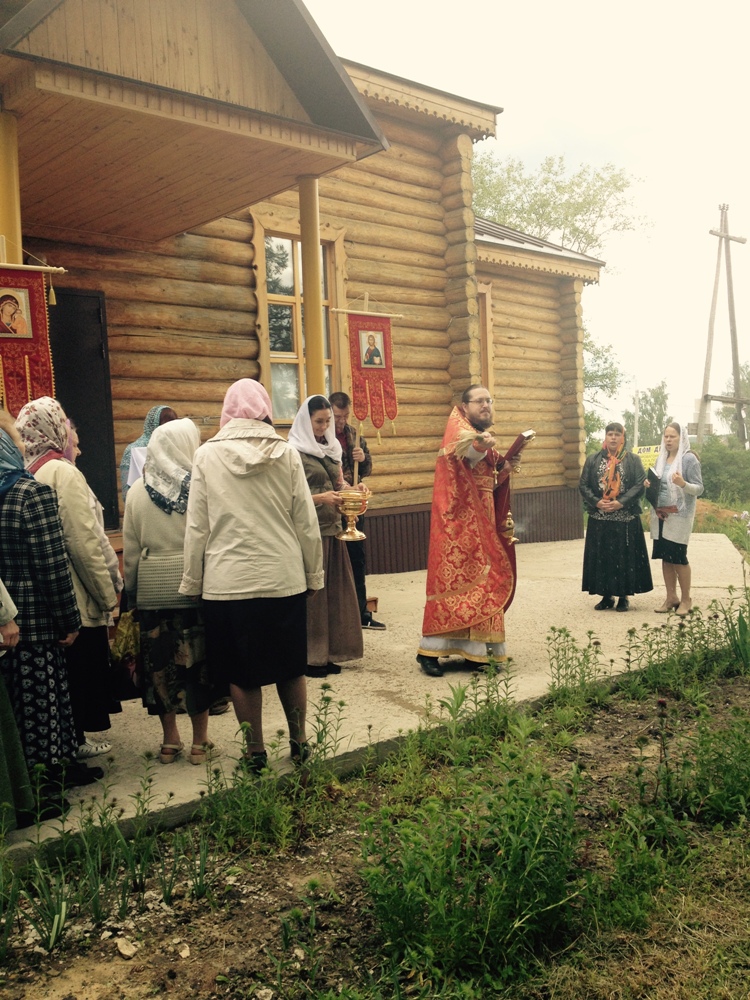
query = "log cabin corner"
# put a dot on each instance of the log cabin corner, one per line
(194, 165)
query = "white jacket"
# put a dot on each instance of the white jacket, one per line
(252, 530)
(146, 526)
(95, 594)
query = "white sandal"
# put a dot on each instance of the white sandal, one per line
(91, 749)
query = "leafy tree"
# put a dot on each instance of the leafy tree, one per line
(725, 467)
(578, 209)
(728, 413)
(653, 415)
(601, 379)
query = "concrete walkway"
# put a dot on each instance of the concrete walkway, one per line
(385, 693)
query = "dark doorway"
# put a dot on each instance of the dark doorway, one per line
(78, 338)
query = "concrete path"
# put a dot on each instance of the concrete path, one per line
(385, 693)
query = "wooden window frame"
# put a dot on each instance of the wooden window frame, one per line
(287, 226)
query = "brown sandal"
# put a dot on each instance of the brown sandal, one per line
(170, 752)
(202, 753)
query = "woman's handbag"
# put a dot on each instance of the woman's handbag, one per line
(159, 578)
(126, 658)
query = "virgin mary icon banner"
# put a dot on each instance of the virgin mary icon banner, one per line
(373, 389)
(25, 360)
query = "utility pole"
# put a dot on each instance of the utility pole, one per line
(738, 400)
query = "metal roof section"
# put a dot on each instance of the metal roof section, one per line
(497, 244)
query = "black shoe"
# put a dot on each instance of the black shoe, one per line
(623, 604)
(371, 623)
(333, 668)
(313, 671)
(79, 774)
(300, 752)
(605, 604)
(253, 763)
(430, 665)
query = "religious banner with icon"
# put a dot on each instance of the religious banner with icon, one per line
(25, 359)
(373, 389)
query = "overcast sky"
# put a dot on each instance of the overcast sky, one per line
(658, 88)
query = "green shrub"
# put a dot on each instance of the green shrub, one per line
(476, 883)
(726, 472)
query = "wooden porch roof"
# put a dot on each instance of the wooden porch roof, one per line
(143, 119)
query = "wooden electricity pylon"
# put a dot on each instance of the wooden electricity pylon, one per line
(737, 400)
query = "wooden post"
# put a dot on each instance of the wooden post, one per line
(710, 344)
(741, 433)
(10, 189)
(309, 218)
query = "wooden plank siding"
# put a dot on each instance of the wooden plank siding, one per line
(201, 47)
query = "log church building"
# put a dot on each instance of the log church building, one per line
(220, 188)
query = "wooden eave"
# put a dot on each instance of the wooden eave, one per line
(103, 154)
(405, 99)
(492, 257)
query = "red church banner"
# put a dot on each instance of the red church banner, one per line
(373, 389)
(25, 360)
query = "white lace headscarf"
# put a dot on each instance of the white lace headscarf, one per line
(169, 463)
(682, 450)
(302, 438)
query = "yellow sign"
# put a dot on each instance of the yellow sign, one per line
(648, 454)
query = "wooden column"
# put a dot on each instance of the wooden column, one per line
(309, 218)
(10, 191)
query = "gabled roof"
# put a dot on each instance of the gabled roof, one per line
(142, 120)
(497, 244)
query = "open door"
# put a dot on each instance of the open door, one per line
(78, 339)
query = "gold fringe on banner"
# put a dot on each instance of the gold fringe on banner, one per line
(29, 395)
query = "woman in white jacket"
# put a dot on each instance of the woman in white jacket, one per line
(253, 551)
(672, 520)
(43, 427)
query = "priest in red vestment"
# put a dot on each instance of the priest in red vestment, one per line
(471, 569)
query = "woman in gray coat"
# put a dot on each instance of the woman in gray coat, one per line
(679, 472)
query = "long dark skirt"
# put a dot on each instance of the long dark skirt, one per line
(36, 677)
(671, 552)
(334, 624)
(256, 642)
(175, 671)
(15, 787)
(615, 558)
(91, 681)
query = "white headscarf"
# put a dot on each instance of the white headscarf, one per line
(682, 450)
(302, 438)
(169, 462)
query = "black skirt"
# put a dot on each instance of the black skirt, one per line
(615, 558)
(256, 642)
(670, 552)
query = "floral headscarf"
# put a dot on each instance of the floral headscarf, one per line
(302, 438)
(247, 399)
(169, 463)
(43, 427)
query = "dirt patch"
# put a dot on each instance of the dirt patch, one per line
(234, 950)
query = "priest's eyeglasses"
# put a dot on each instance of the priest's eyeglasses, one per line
(482, 399)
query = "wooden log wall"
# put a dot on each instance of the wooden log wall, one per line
(181, 319)
(402, 246)
(537, 333)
